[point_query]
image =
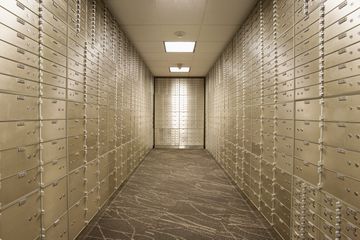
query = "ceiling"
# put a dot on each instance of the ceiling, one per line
(211, 23)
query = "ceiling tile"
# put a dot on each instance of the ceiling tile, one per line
(161, 32)
(162, 56)
(149, 47)
(158, 11)
(209, 47)
(214, 33)
(230, 12)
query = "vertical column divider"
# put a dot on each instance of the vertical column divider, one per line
(41, 161)
(275, 16)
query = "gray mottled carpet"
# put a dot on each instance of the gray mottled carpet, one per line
(182, 195)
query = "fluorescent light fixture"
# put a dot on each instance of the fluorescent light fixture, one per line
(179, 69)
(187, 47)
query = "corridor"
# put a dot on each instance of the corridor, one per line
(179, 194)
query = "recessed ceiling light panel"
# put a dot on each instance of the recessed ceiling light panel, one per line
(179, 69)
(185, 47)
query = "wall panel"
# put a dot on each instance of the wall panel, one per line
(294, 153)
(77, 117)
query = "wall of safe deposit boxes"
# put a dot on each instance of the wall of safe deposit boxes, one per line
(283, 115)
(76, 115)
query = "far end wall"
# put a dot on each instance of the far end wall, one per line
(179, 112)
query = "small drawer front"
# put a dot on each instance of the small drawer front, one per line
(92, 152)
(281, 227)
(341, 25)
(55, 9)
(308, 110)
(16, 107)
(286, 66)
(267, 168)
(342, 187)
(18, 159)
(53, 92)
(53, 129)
(75, 96)
(19, 185)
(91, 174)
(340, 87)
(342, 161)
(20, 86)
(339, 10)
(343, 55)
(91, 90)
(54, 33)
(269, 111)
(342, 71)
(306, 19)
(283, 179)
(307, 131)
(51, 79)
(307, 92)
(53, 20)
(285, 128)
(307, 151)
(307, 56)
(76, 66)
(53, 109)
(76, 127)
(345, 108)
(75, 46)
(27, 10)
(285, 96)
(91, 99)
(75, 85)
(282, 212)
(53, 56)
(54, 150)
(285, 86)
(76, 185)
(18, 70)
(350, 214)
(285, 111)
(307, 32)
(18, 54)
(342, 135)
(350, 230)
(284, 162)
(342, 40)
(53, 68)
(54, 201)
(284, 145)
(76, 143)
(76, 110)
(286, 56)
(54, 44)
(76, 218)
(309, 43)
(76, 76)
(283, 196)
(54, 170)
(58, 230)
(15, 134)
(306, 171)
(76, 159)
(308, 68)
(92, 203)
(24, 213)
